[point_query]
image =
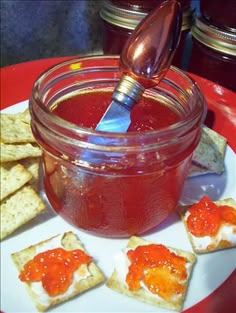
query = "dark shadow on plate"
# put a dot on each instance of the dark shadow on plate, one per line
(168, 222)
(212, 185)
(210, 119)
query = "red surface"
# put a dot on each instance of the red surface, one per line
(16, 84)
(221, 103)
(17, 80)
(222, 300)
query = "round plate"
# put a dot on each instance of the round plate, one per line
(212, 285)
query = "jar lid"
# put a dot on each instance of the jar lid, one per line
(120, 17)
(129, 19)
(137, 5)
(213, 37)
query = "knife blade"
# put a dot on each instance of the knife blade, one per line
(115, 119)
(117, 116)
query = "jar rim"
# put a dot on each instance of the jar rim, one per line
(214, 37)
(197, 114)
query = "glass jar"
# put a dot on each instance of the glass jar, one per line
(213, 54)
(114, 184)
(144, 5)
(221, 13)
(120, 20)
(137, 5)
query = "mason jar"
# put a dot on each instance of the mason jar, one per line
(112, 184)
(144, 5)
(213, 54)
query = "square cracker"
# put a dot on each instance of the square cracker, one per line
(69, 241)
(19, 208)
(15, 128)
(13, 176)
(210, 151)
(32, 165)
(15, 152)
(222, 240)
(116, 282)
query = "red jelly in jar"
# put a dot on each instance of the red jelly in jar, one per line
(121, 17)
(221, 13)
(213, 54)
(114, 184)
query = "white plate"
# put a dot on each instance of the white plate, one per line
(209, 272)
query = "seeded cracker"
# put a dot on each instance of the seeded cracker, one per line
(12, 177)
(32, 165)
(18, 209)
(210, 152)
(14, 152)
(69, 241)
(15, 128)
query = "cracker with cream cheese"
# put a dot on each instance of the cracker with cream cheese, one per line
(225, 236)
(85, 277)
(117, 281)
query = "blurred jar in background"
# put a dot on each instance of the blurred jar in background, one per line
(213, 53)
(121, 17)
(137, 5)
(221, 13)
(144, 5)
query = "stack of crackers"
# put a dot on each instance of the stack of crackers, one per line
(19, 173)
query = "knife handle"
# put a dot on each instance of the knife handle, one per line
(149, 50)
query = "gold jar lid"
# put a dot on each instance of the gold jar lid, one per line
(213, 37)
(120, 17)
(129, 19)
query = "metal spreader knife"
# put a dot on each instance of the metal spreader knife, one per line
(144, 60)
